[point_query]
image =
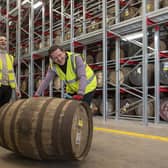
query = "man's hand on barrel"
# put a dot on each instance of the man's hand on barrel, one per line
(77, 97)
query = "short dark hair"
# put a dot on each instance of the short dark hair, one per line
(53, 48)
(2, 34)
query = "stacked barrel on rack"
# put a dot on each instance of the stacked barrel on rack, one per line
(130, 75)
(87, 22)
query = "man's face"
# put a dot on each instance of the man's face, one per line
(58, 57)
(2, 42)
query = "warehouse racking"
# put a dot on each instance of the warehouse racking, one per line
(78, 24)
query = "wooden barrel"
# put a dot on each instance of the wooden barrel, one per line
(47, 41)
(38, 81)
(99, 55)
(37, 45)
(47, 128)
(57, 40)
(110, 20)
(112, 77)
(133, 49)
(89, 59)
(164, 3)
(164, 109)
(126, 71)
(111, 11)
(113, 54)
(57, 37)
(129, 13)
(99, 77)
(162, 44)
(94, 25)
(24, 85)
(127, 106)
(150, 109)
(95, 106)
(57, 83)
(149, 6)
(67, 35)
(79, 30)
(110, 109)
(111, 15)
(25, 71)
(135, 77)
(164, 72)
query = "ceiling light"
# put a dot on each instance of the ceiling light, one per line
(38, 4)
(133, 36)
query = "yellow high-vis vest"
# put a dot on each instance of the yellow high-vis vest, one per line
(71, 79)
(11, 75)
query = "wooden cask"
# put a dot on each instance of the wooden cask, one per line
(38, 81)
(99, 55)
(164, 72)
(164, 109)
(79, 30)
(162, 44)
(113, 54)
(111, 107)
(129, 13)
(149, 6)
(95, 103)
(24, 85)
(128, 106)
(135, 77)
(47, 41)
(150, 109)
(47, 128)
(57, 39)
(99, 77)
(94, 25)
(164, 3)
(89, 59)
(112, 77)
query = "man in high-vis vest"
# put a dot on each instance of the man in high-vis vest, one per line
(7, 76)
(79, 78)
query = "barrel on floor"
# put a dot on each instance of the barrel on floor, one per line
(47, 128)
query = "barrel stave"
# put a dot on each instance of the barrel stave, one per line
(45, 128)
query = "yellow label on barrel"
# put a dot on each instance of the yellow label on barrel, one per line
(165, 66)
(149, 7)
(126, 12)
(80, 123)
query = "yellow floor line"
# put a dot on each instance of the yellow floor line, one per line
(134, 134)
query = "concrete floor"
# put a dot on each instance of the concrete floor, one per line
(109, 150)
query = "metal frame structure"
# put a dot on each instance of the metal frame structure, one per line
(65, 12)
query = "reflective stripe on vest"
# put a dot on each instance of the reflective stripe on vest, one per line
(76, 79)
(11, 76)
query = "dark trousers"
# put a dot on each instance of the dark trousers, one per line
(87, 97)
(5, 94)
